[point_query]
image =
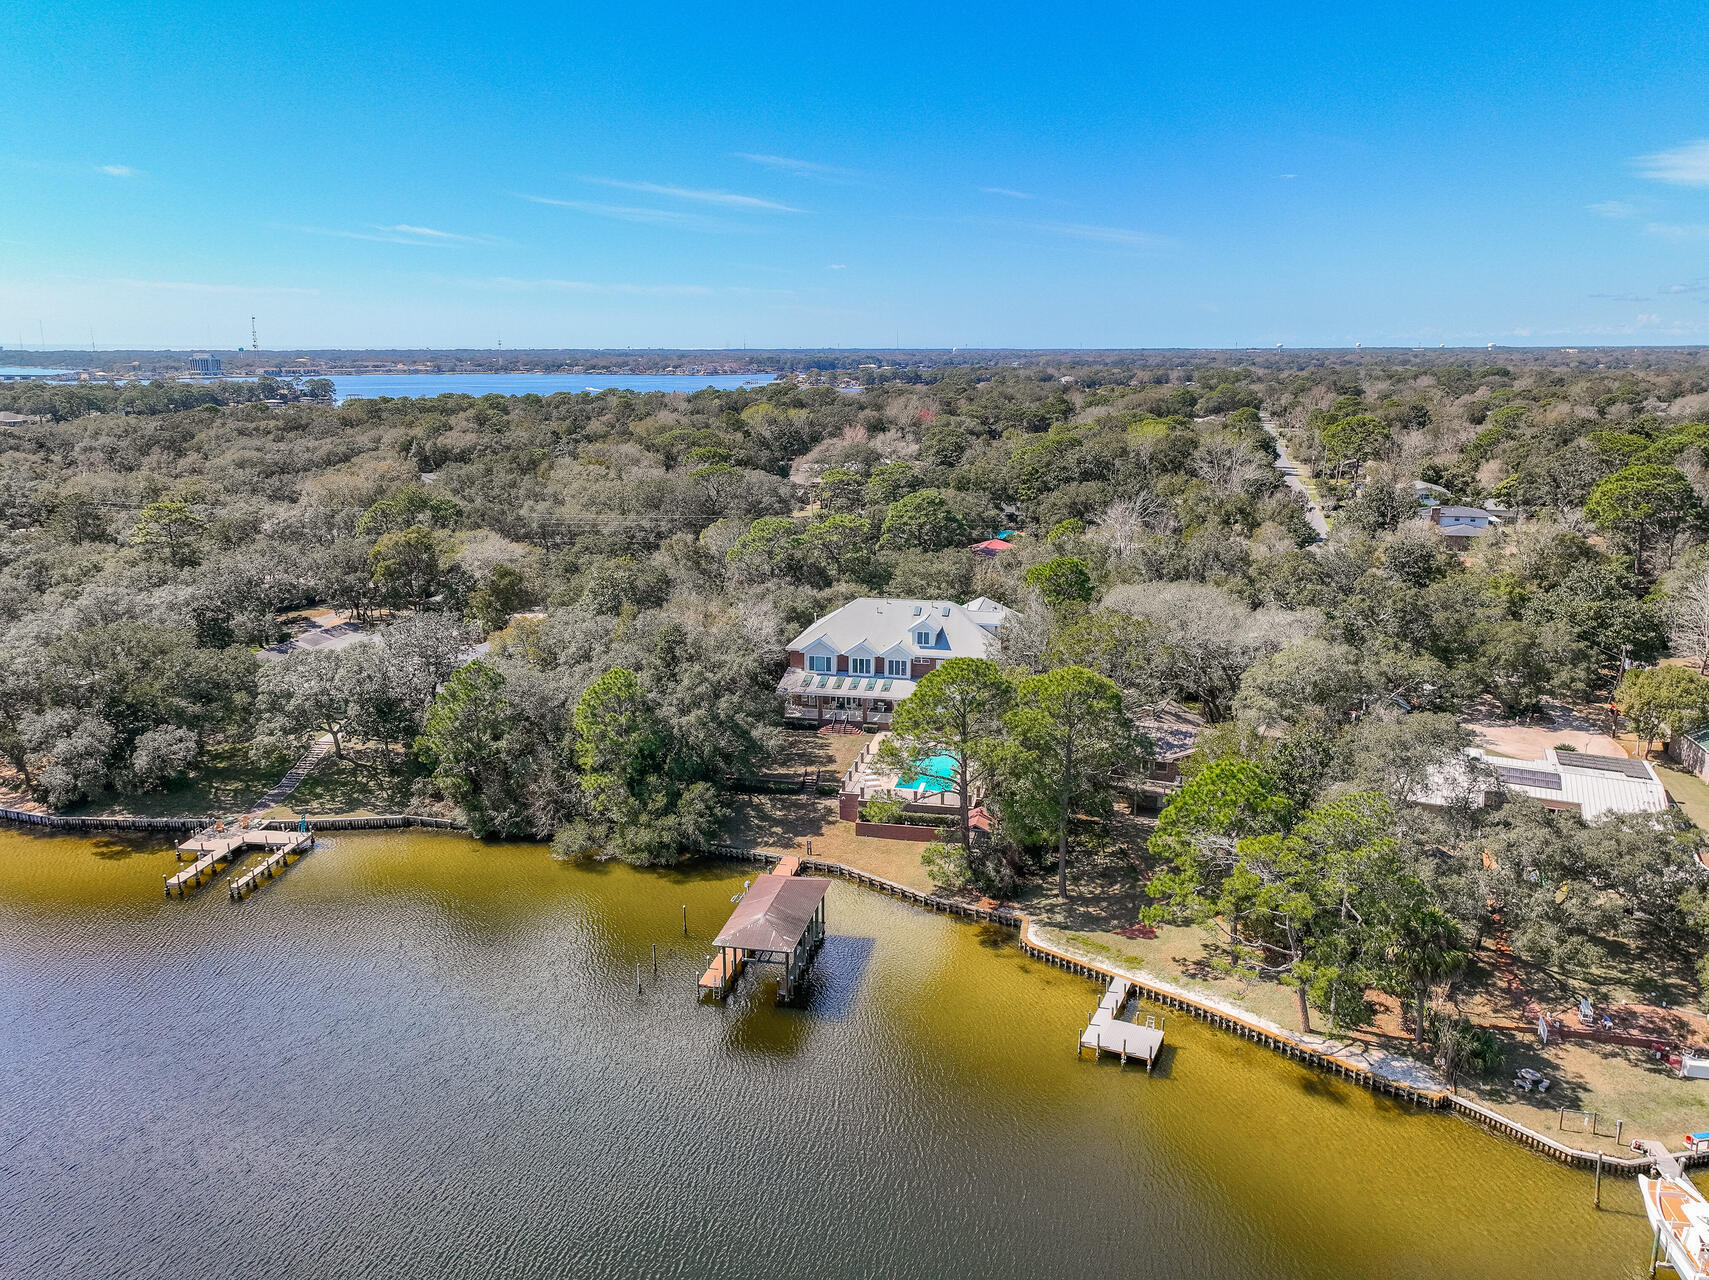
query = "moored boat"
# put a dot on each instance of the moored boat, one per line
(1679, 1215)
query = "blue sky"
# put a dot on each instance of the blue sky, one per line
(614, 176)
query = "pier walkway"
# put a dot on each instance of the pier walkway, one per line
(270, 867)
(1107, 1033)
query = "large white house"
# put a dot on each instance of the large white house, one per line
(856, 664)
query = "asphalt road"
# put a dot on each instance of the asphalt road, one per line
(1291, 473)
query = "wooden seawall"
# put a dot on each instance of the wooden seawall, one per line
(1430, 1099)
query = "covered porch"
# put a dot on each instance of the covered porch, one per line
(822, 697)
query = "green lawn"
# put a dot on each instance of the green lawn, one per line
(226, 783)
(1688, 789)
(358, 786)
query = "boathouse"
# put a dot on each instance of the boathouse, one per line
(780, 920)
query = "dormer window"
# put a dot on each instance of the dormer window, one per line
(816, 662)
(860, 666)
(898, 667)
(923, 639)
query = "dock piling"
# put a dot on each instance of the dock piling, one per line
(1598, 1201)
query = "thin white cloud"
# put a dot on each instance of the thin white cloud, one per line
(116, 170)
(726, 199)
(631, 213)
(1678, 230)
(1613, 209)
(800, 168)
(516, 284)
(392, 235)
(194, 286)
(430, 235)
(837, 266)
(1621, 297)
(591, 286)
(1287, 175)
(1122, 236)
(1683, 166)
(1008, 191)
(1690, 286)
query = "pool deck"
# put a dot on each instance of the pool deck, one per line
(867, 780)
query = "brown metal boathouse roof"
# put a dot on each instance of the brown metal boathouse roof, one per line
(774, 913)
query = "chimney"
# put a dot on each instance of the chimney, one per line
(1435, 515)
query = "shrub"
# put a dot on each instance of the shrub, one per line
(946, 864)
(883, 810)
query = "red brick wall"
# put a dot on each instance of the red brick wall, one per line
(897, 831)
(843, 663)
(797, 659)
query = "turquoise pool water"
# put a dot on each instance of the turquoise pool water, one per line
(934, 773)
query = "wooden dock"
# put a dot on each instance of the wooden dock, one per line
(209, 850)
(1107, 1033)
(726, 968)
(270, 867)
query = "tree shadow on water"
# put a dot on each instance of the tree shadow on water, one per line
(994, 937)
(1316, 1084)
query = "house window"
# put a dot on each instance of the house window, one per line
(817, 663)
(923, 639)
(898, 667)
(860, 666)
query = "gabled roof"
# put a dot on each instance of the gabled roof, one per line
(774, 913)
(887, 624)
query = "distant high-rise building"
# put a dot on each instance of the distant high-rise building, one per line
(205, 364)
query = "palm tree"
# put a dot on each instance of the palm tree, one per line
(1425, 950)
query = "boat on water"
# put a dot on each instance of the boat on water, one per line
(1679, 1216)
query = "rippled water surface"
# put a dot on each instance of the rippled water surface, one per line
(419, 1056)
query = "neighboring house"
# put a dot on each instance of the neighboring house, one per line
(1174, 733)
(339, 636)
(990, 547)
(1575, 781)
(1429, 495)
(13, 420)
(1459, 525)
(856, 664)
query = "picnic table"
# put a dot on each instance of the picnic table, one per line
(1527, 1079)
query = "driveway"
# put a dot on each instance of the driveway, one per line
(1291, 476)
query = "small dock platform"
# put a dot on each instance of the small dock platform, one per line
(209, 850)
(726, 968)
(270, 867)
(1107, 1033)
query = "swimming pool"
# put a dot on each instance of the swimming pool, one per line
(934, 773)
